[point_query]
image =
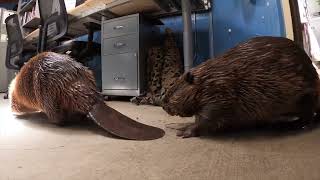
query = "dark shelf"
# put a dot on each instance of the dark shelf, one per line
(33, 23)
(28, 6)
(173, 7)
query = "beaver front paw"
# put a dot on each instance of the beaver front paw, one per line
(185, 130)
(189, 131)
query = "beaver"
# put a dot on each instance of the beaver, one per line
(316, 66)
(64, 90)
(257, 82)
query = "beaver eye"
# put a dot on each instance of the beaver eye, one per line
(189, 78)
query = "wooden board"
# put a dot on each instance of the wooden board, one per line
(135, 6)
(89, 7)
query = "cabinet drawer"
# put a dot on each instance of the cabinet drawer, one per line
(120, 71)
(120, 27)
(121, 44)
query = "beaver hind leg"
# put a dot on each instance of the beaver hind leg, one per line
(57, 117)
(65, 117)
(54, 113)
(305, 115)
(308, 105)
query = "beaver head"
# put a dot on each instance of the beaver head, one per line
(181, 98)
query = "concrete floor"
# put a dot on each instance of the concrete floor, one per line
(30, 148)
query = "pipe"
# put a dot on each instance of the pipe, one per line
(211, 40)
(187, 34)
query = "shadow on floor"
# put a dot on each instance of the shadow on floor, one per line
(39, 120)
(273, 131)
(270, 132)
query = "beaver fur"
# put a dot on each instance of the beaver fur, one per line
(56, 85)
(254, 83)
(316, 66)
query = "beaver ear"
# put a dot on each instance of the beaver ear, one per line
(189, 78)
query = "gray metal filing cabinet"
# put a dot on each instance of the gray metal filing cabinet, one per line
(125, 42)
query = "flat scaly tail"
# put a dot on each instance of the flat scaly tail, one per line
(122, 126)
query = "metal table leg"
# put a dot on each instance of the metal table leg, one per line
(187, 34)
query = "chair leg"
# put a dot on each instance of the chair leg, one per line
(6, 95)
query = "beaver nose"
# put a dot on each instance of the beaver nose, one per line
(165, 109)
(168, 110)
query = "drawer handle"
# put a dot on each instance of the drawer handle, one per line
(118, 78)
(118, 27)
(119, 44)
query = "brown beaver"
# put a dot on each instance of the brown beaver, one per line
(62, 88)
(256, 82)
(55, 84)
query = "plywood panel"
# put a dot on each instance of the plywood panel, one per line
(135, 6)
(89, 7)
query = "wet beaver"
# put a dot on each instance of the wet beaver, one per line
(51, 83)
(64, 90)
(256, 82)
